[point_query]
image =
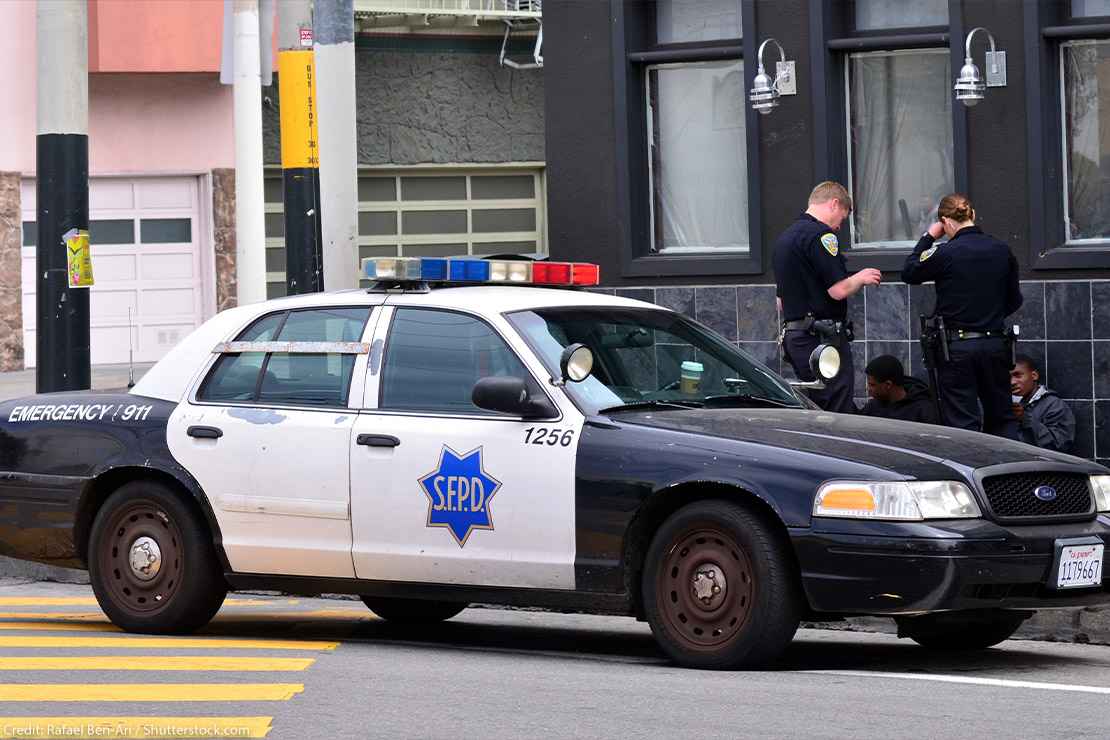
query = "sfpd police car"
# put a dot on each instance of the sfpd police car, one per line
(442, 439)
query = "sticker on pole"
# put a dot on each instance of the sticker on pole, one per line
(79, 258)
(306, 37)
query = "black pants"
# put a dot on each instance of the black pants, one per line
(838, 393)
(978, 376)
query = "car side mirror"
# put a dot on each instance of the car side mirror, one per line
(576, 363)
(509, 395)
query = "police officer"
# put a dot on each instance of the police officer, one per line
(813, 285)
(977, 288)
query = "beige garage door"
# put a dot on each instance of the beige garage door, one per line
(145, 234)
(429, 213)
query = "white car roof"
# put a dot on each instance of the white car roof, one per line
(172, 376)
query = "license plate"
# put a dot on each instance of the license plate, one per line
(1080, 566)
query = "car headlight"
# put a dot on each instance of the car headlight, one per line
(907, 501)
(1100, 487)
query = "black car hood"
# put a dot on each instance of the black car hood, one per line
(916, 450)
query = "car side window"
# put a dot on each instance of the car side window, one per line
(433, 359)
(317, 379)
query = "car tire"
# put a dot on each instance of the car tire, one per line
(955, 631)
(720, 589)
(152, 563)
(412, 611)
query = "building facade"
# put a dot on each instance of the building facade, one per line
(660, 170)
(451, 158)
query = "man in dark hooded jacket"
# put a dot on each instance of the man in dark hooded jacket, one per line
(896, 396)
(1043, 418)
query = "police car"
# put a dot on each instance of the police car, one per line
(478, 431)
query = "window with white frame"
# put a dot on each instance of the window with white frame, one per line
(429, 213)
(900, 148)
(698, 164)
(1085, 71)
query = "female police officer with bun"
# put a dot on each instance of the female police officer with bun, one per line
(976, 278)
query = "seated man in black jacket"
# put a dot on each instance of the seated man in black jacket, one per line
(1043, 418)
(894, 395)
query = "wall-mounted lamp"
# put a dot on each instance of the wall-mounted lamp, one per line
(766, 90)
(969, 86)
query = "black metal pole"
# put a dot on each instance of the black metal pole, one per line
(62, 188)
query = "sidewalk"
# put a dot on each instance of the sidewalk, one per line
(19, 383)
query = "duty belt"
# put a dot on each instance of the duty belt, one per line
(955, 335)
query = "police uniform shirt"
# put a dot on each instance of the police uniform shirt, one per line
(808, 262)
(976, 277)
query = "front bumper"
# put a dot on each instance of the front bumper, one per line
(858, 567)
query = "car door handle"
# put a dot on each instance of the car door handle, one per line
(205, 432)
(377, 440)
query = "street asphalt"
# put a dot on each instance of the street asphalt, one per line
(19, 383)
(284, 667)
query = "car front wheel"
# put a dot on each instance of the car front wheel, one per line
(719, 588)
(152, 563)
(955, 631)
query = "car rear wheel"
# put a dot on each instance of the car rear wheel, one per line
(956, 631)
(412, 611)
(152, 563)
(719, 588)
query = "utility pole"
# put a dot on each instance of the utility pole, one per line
(250, 227)
(62, 187)
(300, 157)
(334, 45)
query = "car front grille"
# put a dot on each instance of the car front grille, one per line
(1011, 496)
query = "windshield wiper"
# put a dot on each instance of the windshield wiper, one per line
(641, 405)
(747, 399)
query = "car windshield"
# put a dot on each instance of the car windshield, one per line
(645, 357)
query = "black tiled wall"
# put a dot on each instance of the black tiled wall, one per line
(1065, 325)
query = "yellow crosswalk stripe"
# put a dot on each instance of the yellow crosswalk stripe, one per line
(54, 615)
(91, 601)
(128, 642)
(97, 617)
(61, 625)
(153, 663)
(130, 692)
(154, 728)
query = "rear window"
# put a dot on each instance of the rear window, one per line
(288, 378)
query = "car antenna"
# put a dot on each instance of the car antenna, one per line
(130, 351)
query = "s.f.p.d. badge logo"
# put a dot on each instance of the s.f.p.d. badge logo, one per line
(459, 492)
(831, 245)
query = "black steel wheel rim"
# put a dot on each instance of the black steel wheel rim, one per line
(141, 558)
(705, 588)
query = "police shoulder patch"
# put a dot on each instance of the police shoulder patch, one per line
(927, 254)
(831, 245)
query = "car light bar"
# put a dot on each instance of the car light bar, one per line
(518, 272)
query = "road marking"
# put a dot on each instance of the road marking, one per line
(149, 691)
(74, 616)
(153, 663)
(132, 727)
(1004, 683)
(162, 642)
(91, 601)
(61, 625)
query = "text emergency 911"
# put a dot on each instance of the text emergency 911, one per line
(80, 412)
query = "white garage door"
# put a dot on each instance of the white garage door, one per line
(145, 234)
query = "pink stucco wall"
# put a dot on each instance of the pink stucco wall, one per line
(138, 122)
(159, 123)
(17, 80)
